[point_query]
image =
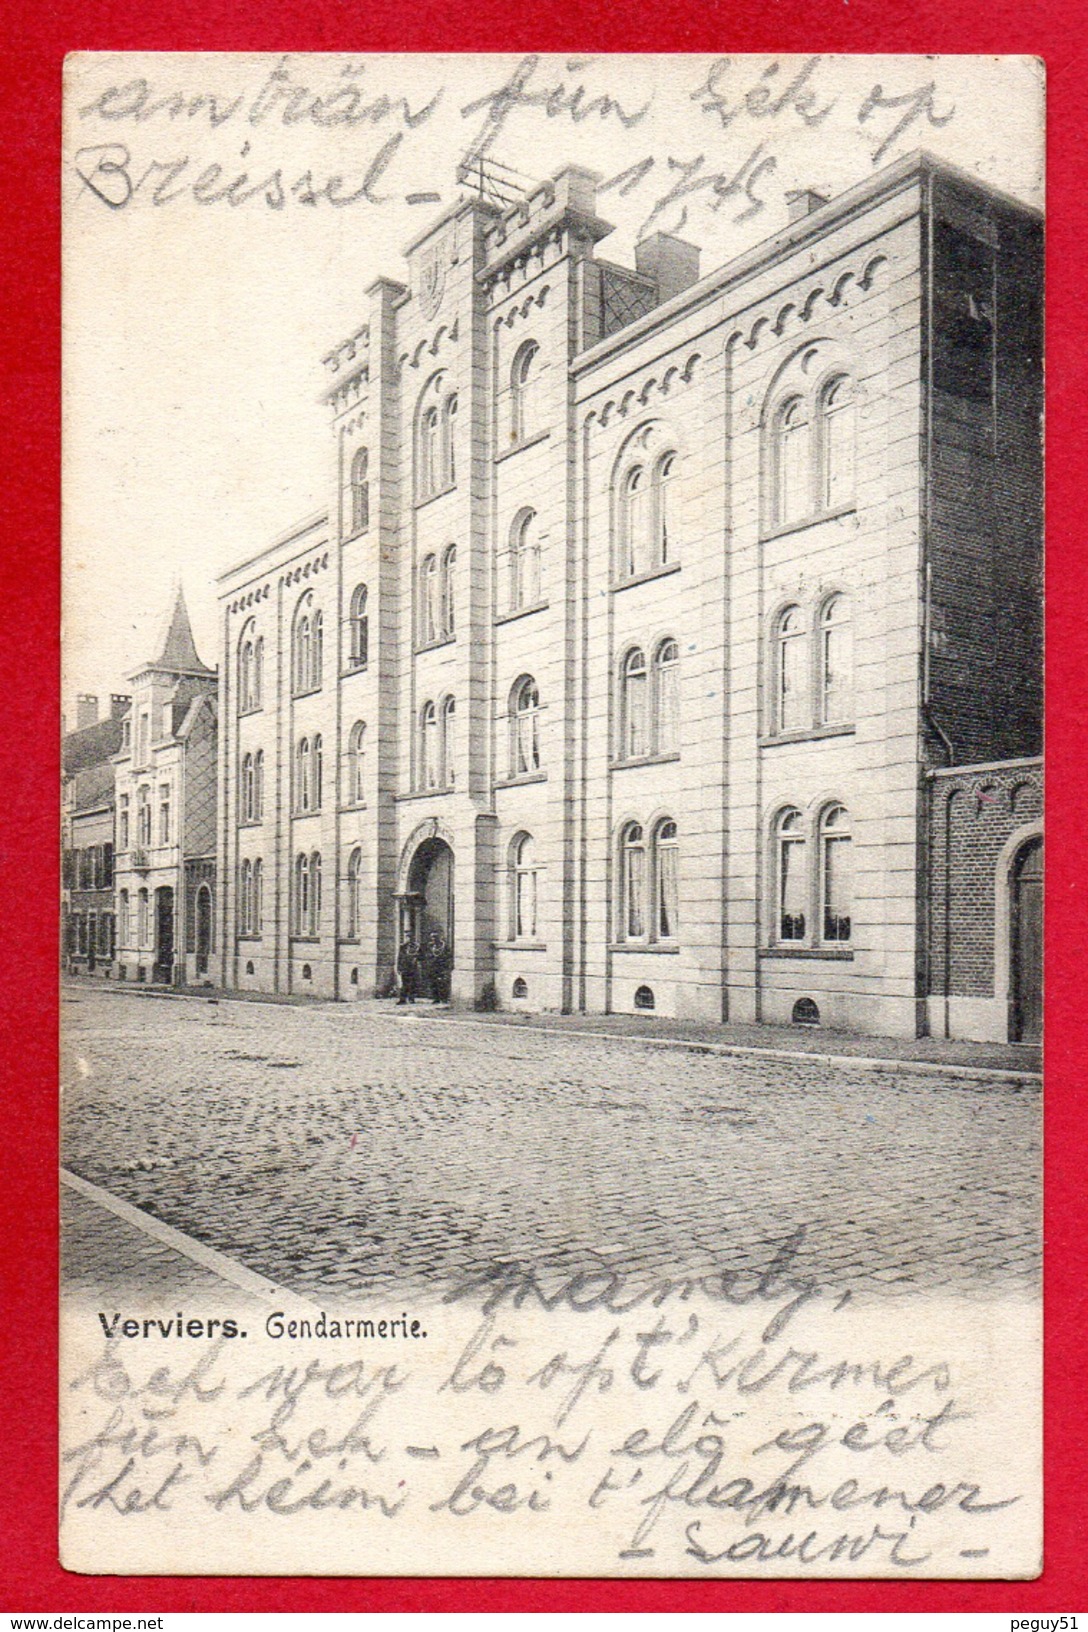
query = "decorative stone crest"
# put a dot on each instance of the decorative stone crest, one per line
(432, 280)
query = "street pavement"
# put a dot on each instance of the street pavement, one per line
(344, 1148)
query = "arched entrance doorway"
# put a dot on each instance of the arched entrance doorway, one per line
(427, 914)
(1026, 948)
(203, 928)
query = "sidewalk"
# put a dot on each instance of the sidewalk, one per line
(1021, 1060)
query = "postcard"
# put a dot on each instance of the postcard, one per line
(552, 816)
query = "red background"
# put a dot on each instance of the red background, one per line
(37, 37)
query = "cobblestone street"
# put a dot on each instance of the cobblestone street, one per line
(335, 1148)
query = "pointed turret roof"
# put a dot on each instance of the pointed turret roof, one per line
(179, 653)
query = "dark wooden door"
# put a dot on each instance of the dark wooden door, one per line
(164, 933)
(1027, 947)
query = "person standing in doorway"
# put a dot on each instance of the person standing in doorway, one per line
(408, 971)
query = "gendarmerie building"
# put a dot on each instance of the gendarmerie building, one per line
(645, 604)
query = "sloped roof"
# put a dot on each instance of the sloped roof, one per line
(91, 746)
(94, 788)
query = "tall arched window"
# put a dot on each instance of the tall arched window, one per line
(449, 562)
(523, 888)
(360, 491)
(449, 742)
(317, 650)
(836, 876)
(258, 785)
(245, 898)
(250, 651)
(430, 453)
(792, 702)
(524, 562)
(791, 887)
(635, 523)
(358, 628)
(449, 440)
(525, 757)
(356, 788)
(522, 395)
(667, 698)
(429, 754)
(258, 903)
(664, 504)
(632, 884)
(634, 737)
(352, 900)
(258, 670)
(317, 773)
(666, 881)
(315, 893)
(428, 600)
(836, 662)
(793, 499)
(302, 646)
(303, 776)
(837, 438)
(247, 789)
(302, 894)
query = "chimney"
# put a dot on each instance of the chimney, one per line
(86, 711)
(119, 705)
(803, 201)
(673, 264)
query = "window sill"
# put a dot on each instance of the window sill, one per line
(347, 940)
(423, 793)
(812, 520)
(520, 946)
(670, 758)
(244, 713)
(646, 577)
(354, 668)
(521, 612)
(357, 532)
(522, 780)
(304, 815)
(307, 691)
(829, 954)
(304, 940)
(248, 937)
(813, 733)
(433, 645)
(251, 821)
(439, 493)
(519, 447)
(655, 948)
(346, 810)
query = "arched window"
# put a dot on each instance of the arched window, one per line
(632, 884)
(635, 523)
(667, 698)
(837, 439)
(634, 740)
(352, 895)
(249, 664)
(429, 754)
(664, 504)
(524, 562)
(317, 651)
(258, 671)
(358, 628)
(666, 881)
(143, 816)
(315, 893)
(258, 785)
(791, 886)
(836, 876)
(449, 562)
(122, 914)
(245, 899)
(258, 904)
(523, 888)
(302, 895)
(449, 440)
(303, 782)
(430, 453)
(836, 662)
(525, 756)
(449, 742)
(793, 498)
(428, 600)
(302, 646)
(522, 395)
(247, 789)
(316, 775)
(360, 491)
(356, 788)
(793, 709)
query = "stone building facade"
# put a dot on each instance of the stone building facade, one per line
(642, 606)
(88, 806)
(166, 776)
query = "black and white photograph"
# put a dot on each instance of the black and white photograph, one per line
(551, 938)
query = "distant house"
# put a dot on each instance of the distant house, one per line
(88, 806)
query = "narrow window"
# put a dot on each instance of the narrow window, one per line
(315, 893)
(836, 876)
(524, 888)
(428, 581)
(449, 742)
(793, 501)
(355, 867)
(526, 728)
(836, 662)
(141, 918)
(524, 562)
(837, 438)
(633, 883)
(449, 562)
(635, 523)
(430, 454)
(664, 520)
(302, 775)
(360, 491)
(245, 676)
(248, 799)
(144, 816)
(302, 894)
(316, 774)
(302, 652)
(792, 702)
(667, 698)
(258, 671)
(430, 756)
(792, 886)
(258, 786)
(450, 441)
(122, 830)
(316, 652)
(144, 740)
(667, 869)
(122, 914)
(356, 789)
(522, 393)
(634, 735)
(245, 899)
(258, 906)
(358, 628)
